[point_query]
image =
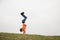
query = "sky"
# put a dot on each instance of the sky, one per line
(43, 16)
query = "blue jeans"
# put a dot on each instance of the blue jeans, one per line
(23, 21)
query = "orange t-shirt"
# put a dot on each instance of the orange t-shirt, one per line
(24, 26)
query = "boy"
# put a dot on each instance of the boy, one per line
(23, 29)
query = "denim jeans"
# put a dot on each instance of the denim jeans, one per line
(23, 21)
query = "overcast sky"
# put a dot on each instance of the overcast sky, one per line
(43, 16)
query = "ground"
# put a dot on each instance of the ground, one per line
(13, 36)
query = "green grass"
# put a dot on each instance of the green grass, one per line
(12, 36)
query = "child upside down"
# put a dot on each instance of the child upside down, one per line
(23, 29)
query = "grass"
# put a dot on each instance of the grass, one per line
(12, 36)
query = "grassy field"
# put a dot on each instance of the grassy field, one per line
(12, 36)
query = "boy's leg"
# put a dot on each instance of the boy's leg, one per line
(23, 21)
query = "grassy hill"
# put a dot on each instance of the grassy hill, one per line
(12, 36)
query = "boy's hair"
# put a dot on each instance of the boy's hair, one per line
(20, 29)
